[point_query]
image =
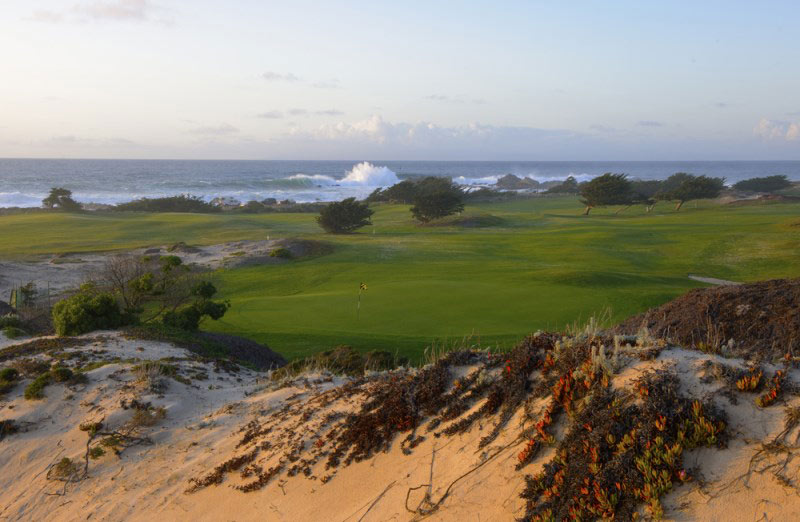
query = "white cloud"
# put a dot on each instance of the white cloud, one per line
(649, 123)
(331, 84)
(223, 129)
(272, 76)
(329, 112)
(103, 10)
(777, 130)
(271, 115)
(117, 10)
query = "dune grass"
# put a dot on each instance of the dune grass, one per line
(520, 266)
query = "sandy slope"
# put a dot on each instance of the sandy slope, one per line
(69, 270)
(204, 422)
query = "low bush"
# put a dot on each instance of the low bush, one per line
(8, 379)
(182, 203)
(35, 390)
(765, 184)
(10, 320)
(9, 374)
(283, 253)
(12, 332)
(85, 312)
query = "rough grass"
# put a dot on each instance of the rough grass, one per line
(541, 266)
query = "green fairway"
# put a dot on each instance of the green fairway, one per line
(541, 265)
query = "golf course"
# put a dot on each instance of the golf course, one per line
(497, 272)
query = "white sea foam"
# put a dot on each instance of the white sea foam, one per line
(492, 180)
(364, 174)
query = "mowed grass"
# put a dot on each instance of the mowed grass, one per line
(541, 265)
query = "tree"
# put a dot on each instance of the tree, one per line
(189, 317)
(608, 189)
(646, 192)
(568, 186)
(344, 216)
(682, 187)
(436, 198)
(403, 192)
(61, 198)
(765, 184)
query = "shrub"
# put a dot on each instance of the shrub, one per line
(182, 203)
(608, 189)
(12, 332)
(61, 198)
(283, 253)
(85, 312)
(61, 374)
(344, 216)
(35, 390)
(8, 374)
(765, 184)
(11, 320)
(436, 198)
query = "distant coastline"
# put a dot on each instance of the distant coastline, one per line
(24, 182)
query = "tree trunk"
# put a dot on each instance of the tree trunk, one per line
(679, 205)
(623, 209)
(586, 212)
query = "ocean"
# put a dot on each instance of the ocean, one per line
(24, 182)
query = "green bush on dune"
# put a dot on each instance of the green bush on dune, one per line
(85, 312)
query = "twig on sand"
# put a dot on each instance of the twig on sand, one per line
(376, 500)
(432, 507)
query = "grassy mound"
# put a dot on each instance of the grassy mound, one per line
(761, 319)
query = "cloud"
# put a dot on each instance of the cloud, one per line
(297, 112)
(329, 112)
(46, 16)
(271, 115)
(271, 76)
(777, 130)
(722, 105)
(425, 137)
(649, 123)
(443, 98)
(223, 129)
(103, 10)
(116, 10)
(332, 84)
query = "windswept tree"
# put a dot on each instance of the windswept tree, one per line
(61, 198)
(436, 198)
(345, 216)
(646, 192)
(608, 189)
(765, 184)
(682, 187)
(568, 186)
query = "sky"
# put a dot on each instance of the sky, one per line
(435, 80)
